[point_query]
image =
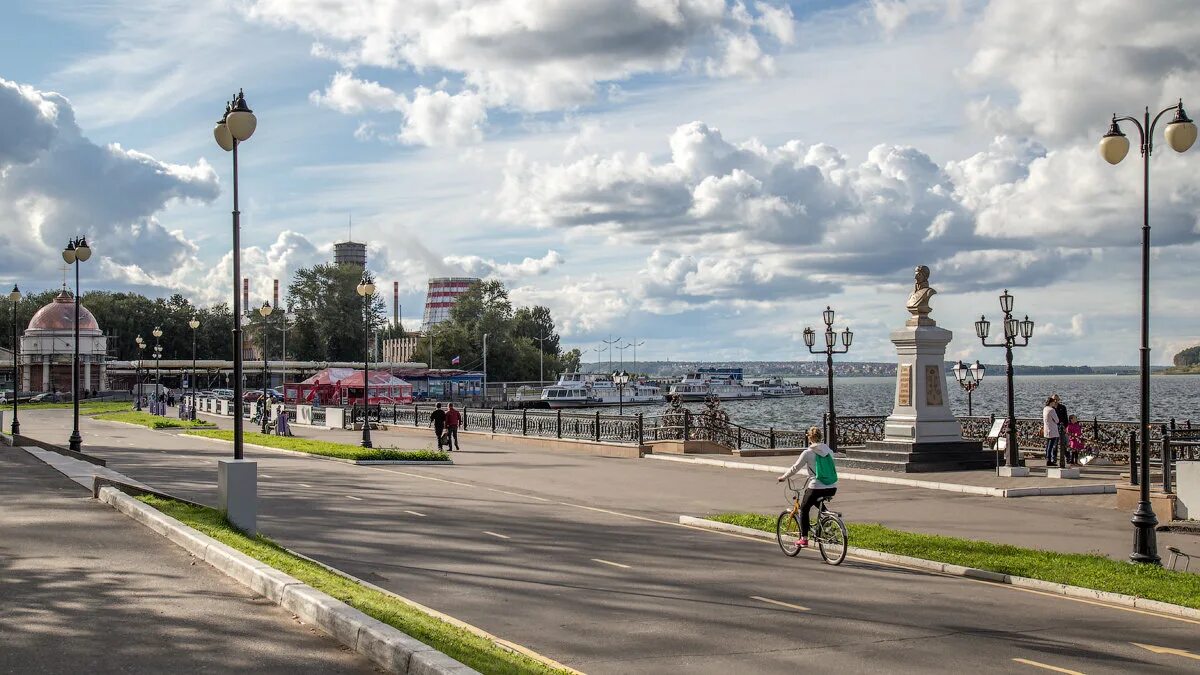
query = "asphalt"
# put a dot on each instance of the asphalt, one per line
(85, 589)
(580, 558)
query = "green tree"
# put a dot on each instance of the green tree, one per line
(1188, 357)
(329, 313)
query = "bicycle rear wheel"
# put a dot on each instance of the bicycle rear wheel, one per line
(832, 539)
(787, 533)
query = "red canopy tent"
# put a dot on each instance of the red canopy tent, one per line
(344, 386)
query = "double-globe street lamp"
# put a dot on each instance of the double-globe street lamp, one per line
(158, 407)
(969, 378)
(620, 379)
(194, 323)
(1013, 329)
(830, 348)
(366, 289)
(264, 312)
(1180, 134)
(235, 126)
(14, 297)
(137, 373)
(76, 252)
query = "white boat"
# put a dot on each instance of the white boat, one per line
(777, 387)
(724, 383)
(572, 390)
(579, 390)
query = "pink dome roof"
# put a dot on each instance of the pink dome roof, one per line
(59, 316)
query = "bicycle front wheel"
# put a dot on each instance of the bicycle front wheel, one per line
(787, 533)
(832, 540)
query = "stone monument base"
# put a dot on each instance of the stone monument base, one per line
(904, 457)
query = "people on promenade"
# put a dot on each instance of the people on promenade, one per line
(437, 420)
(1074, 440)
(1050, 431)
(1063, 417)
(817, 463)
(452, 419)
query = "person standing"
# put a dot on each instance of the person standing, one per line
(1050, 427)
(437, 420)
(1074, 437)
(452, 419)
(1063, 418)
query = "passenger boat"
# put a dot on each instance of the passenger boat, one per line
(726, 384)
(580, 390)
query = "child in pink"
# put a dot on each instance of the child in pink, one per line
(1074, 440)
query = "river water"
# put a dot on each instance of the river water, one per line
(1109, 397)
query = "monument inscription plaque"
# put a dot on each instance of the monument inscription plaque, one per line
(933, 385)
(904, 387)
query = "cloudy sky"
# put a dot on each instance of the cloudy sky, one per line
(703, 175)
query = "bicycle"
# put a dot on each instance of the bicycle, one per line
(828, 531)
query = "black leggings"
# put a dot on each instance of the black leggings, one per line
(810, 498)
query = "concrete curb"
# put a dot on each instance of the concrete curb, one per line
(1089, 489)
(973, 573)
(388, 647)
(359, 462)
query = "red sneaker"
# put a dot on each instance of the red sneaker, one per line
(802, 543)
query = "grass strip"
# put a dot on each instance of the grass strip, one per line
(473, 650)
(326, 448)
(85, 407)
(151, 421)
(1085, 570)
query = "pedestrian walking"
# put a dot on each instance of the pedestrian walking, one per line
(1050, 431)
(171, 400)
(452, 419)
(1074, 440)
(437, 420)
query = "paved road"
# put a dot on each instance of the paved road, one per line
(580, 559)
(85, 589)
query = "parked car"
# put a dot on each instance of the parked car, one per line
(51, 397)
(223, 394)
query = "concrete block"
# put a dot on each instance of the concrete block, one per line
(1187, 489)
(233, 563)
(1056, 472)
(388, 647)
(1014, 471)
(436, 663)
(237, 493)
(338, 619)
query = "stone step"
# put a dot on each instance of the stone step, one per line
(902, 466)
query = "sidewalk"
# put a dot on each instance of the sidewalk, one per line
(85, 588)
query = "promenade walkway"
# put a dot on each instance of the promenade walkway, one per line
(86, 589)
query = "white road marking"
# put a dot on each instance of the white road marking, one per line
(777, 602)
(497, 535)
(264, 475)
(517, 494)
(357, 499)
(1167, 650)
(304, 485)
(609, 562)
(416, 513)
(1046, 666)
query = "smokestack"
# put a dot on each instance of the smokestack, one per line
(246, 295)
(275, 295)
(395, 304)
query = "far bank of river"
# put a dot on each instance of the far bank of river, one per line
(1111, 397)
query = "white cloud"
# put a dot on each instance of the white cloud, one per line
(348, 94)
(474, 265)
(431, 118)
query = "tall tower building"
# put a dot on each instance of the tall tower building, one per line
(440, 297)
(350, 253)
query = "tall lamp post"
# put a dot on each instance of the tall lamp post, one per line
(1180, 134)
(620, 379)
(1013, 330)
(541, 352)
(285, 324)
(969, 378)
(193, 324)
(236, 126)
(157, 333)
(14, 297)
(264, 312)
(366, 289)
(76, 252)
(137, 373)
(830, 348)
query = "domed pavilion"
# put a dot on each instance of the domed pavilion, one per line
(48, 345)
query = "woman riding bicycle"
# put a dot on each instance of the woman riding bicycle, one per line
(817, 463)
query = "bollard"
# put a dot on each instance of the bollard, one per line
(1166, 462)
(1133, 457)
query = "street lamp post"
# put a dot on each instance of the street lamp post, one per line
(14, 297)
(157, 409)
(285, 324)
(76, 252)
(1180, 134)
(541, 353)
(137, 373)
(193, 324)
(969, 378)
(620, 379)
(830, 348)
(236, 126)
(366, 289)
(1012, 330)
(264, 312)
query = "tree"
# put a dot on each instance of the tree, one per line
(329, 313)
(1188, 357)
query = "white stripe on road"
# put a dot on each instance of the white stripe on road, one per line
(304, 485)
(609, 562)
(1046, 666)
(357, 499)
(415, 513)
(497, 535)
(781, 604)
(517, 494)
(263, 475)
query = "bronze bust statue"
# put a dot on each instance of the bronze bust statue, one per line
(918, 301)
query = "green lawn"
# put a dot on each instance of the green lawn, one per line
(1075, 569)
(85, 407)
(152, 421)
(475, 651)
(327, 449)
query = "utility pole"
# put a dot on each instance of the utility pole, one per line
(610, 342)
(541, 353)
(485, 337)
(635, 344)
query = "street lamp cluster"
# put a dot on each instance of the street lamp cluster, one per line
(1016, 334)
(620, 378)
(14, 297)
(969, 378)
(366, 289)
(264, 312)
(830, 348)
(76, 253)
(1181, 135)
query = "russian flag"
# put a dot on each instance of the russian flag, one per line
(455, 361)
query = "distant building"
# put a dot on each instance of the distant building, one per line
(440, 297)
(350, 253)
(401, 349)
(48, 345)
